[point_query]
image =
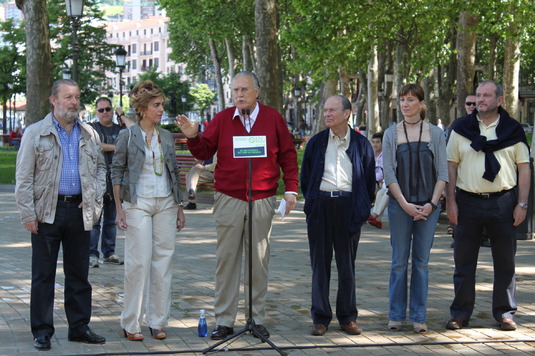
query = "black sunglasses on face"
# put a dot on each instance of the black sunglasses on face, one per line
(108, 109)
(470, 103)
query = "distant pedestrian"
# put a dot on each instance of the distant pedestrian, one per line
(107, 131)
(61, 177)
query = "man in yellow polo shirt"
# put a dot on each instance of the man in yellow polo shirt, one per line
(486, 150)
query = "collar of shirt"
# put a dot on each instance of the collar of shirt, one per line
(340, 141)
(494, 123)
(251, 120)
(60, 127)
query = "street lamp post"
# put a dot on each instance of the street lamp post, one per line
(389, 76)
(183, 104)
(297, 95)
(74, 12)
(66, 73)
(120, 61)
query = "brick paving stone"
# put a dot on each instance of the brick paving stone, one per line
(288, 299)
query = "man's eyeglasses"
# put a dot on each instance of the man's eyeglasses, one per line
(108, 109)
(470, 103)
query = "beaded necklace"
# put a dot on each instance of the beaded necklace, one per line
(149, 146)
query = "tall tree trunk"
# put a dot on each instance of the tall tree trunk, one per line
(445, 80)
(466, 49)
(511, 76)
(361, 97)
(268, 59)
(252, 53)
(372, 126)
(493, 56)
(231, 58)
(217, 72)
(38, 60)
(327, 89)
(399, 72)
(245, 54)
(344, 82)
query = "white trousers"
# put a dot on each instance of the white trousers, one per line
(149, 249)
(232, 225)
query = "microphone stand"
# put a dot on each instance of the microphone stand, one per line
(250, 326)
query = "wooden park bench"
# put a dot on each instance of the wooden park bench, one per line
(300, 143)
(185, 162)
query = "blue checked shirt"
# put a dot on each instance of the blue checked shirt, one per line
(69, 182)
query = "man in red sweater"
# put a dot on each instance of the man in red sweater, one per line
(247, 118)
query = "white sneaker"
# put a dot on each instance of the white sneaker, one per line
(93, 261)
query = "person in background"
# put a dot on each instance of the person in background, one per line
(198, 174)
(107, 131)
(148, 199)
(381, 198)
(61, 178)
(231, 206)
(338, 182)
(415, 169)
(488, 159)
(15, 136)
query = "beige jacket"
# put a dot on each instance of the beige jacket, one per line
(39, 162)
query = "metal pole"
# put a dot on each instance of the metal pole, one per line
(121, 87)
(75, 48)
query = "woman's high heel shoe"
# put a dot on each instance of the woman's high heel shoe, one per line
(158, 334)
(134, 336)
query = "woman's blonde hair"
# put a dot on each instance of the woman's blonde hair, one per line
(142, 94)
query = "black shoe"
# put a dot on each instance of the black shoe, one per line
(191, 206)
(221, 331)
(456, 323)
(42, 343)
(89, 337)
(261, 330)
(191, 194)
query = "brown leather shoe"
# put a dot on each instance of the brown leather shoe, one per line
(351, 328)
(508, 324)
(221, 331)
(318, 330)
(456, 323)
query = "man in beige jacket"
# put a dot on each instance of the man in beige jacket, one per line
(61, 178)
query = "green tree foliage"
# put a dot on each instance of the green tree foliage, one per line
(202, 96)
(173, 88)
(12, 63)
(95, 54)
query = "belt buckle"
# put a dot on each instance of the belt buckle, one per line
(335, 194)
(484, 195)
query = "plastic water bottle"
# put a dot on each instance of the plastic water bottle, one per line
(202, 327)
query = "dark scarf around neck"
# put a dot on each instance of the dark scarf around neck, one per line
(508, 132)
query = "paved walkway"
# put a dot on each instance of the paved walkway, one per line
(288, 298)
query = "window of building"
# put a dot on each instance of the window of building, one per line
(145, 31)
(134, 48)
(156, 62)
(134, 64)
(156, 46)
(151, 31)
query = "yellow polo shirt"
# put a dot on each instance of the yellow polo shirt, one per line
(472, 164)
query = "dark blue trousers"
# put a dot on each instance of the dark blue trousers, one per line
(496, 215)
(109, 231)
(328, 232)
(67, 231)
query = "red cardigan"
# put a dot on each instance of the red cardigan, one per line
(231, 174)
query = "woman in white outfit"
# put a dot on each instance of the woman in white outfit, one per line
(146, 187)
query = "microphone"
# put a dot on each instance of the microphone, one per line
(246, 114)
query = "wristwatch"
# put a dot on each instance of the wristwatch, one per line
(523, 205)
